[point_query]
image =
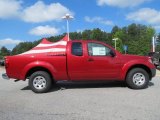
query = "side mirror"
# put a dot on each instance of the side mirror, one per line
(112, 53)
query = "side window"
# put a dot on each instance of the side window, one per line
(96, 49)
(77, 49)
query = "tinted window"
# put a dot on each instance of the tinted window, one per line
(77, 48)
(95, 49)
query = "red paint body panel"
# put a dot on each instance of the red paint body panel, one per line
(20, 65)
(70, 67)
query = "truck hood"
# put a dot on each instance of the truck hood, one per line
(127, 57)
(135, 56)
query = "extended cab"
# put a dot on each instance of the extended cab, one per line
(83, 60)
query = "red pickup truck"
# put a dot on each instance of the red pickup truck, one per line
(78, 60)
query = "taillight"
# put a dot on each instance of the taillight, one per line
(6, 62)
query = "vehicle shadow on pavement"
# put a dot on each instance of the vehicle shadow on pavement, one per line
(150, 84)
(88, 85)
(74, 85)
(54, 88)
(81, 85)
(26, 88)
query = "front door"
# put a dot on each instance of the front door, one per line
(100, 64)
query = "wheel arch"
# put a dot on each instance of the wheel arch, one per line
(38, 68)
(140, 66)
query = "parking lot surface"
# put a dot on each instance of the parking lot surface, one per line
(68, 101)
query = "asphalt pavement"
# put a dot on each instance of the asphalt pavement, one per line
(68, 101)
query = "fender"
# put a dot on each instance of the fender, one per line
(37, 64)
(131, 64)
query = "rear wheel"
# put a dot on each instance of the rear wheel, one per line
(40, 82)
(137, 78)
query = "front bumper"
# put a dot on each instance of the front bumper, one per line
(5, 76)
(153, 72)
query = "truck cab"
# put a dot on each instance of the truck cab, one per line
(92, 60)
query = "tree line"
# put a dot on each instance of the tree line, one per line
(137, 38)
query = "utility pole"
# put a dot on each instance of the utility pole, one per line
(154, 38)
(115, 39)
(153, 44)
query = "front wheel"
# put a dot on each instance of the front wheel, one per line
(40, 82)
(137, 78)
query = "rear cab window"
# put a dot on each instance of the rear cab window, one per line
(77, 49)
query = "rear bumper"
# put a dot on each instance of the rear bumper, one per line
(153, 72)
(5, 76)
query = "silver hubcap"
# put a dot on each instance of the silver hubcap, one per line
(138, 79)
(39, 82)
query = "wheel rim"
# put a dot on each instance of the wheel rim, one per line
(39, 82)
(138, 79)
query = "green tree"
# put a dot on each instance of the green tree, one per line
(158, 43)
(119, 45)
(115, 29)
(22, 47)
(86, 34)
(1, 57)
(4, 52)
(132, 30)
(97, 34)
(75, 36)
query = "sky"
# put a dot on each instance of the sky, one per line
(30, 20)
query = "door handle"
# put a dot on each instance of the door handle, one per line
(90, 59)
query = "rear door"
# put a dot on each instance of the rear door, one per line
(76, 62)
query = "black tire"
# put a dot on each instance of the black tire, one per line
(40, 82)
(137, 78)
